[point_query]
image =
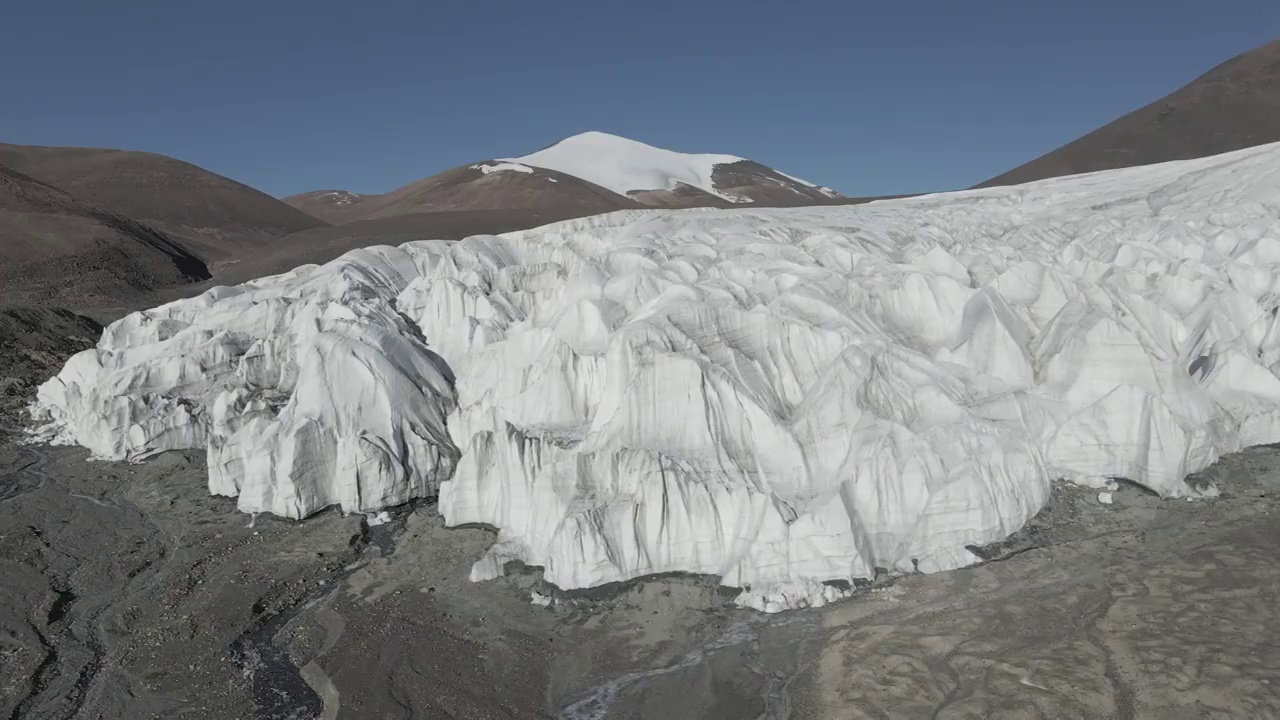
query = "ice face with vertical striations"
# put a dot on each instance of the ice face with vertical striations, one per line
(783, 398)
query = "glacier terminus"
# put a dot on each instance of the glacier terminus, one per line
(788, 399)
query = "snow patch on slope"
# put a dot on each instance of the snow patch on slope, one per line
(340, 197)
(501, 167)
(780, 397)
(625, 166)
(822, 189)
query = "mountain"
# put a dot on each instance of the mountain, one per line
(500, 185)
(215, 217)
(1233, 106)
(332, 206)
(487, 185)
(59, 248)
(665, 178)
(587, 174)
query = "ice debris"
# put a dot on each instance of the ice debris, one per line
(788, 399)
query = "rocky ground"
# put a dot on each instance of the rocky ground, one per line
(34, 344)
(129, 592)
(126, 591)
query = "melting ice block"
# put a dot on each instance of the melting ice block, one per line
(788, 399)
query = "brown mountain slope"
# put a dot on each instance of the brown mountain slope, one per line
(748, 181)
(683, 196)
(58, 249)
(34, 343)
(214, 216)
(764, 185)
(495, 185)
(489, 185)
(333, 206)
(1233, 106)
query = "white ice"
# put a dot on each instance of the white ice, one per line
(626, 166)
(783, 398)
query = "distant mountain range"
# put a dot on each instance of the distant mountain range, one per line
(87, 227)
(215, 217)
(1235, 105)
(590, 173)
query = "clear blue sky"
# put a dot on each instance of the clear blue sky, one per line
(867, 97)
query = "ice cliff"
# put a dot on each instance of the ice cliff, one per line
(780, 397)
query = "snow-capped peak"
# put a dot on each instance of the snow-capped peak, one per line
(625, 166)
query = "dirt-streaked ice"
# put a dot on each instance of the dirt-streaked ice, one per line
(784, 398)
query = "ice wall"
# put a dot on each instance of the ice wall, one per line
(780, 397)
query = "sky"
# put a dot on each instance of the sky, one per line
(867, 98)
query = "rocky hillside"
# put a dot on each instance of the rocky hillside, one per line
(55, 248)
(332, 206)
(1233, 106)
(35, 344)
(215, 217)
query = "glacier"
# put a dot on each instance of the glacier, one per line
(789, 399)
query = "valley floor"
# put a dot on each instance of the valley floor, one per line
(126, 591)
